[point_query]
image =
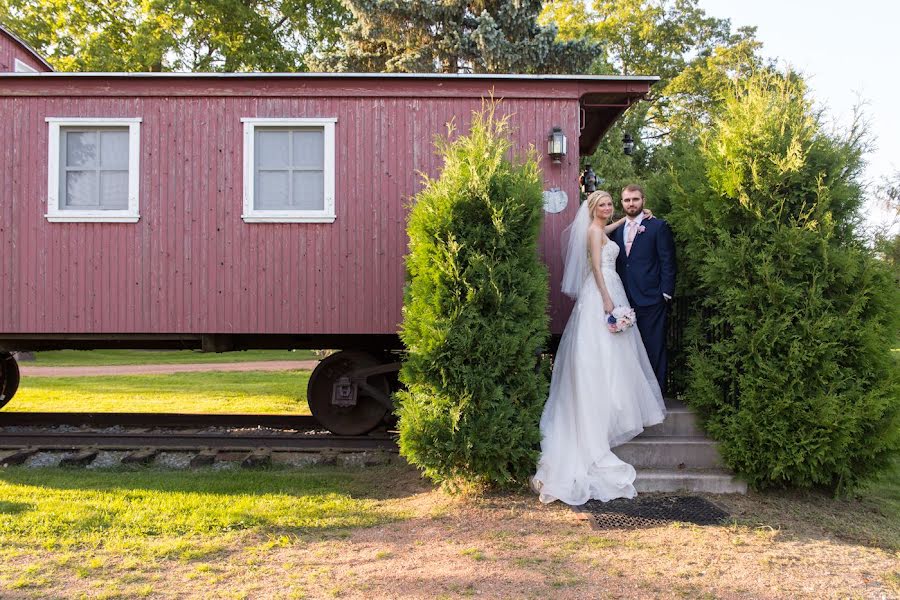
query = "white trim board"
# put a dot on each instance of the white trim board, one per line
(57, 215)
(253, 215)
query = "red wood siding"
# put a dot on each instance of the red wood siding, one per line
(191, 265)
(11, 49)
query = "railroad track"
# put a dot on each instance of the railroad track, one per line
(157, 420)
(170, 441)
(143, 436)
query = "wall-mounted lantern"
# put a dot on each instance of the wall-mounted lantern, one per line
(628, 144)
(588, 181)
(556, 145)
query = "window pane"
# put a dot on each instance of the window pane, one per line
(81, 149)
(271, 190)
(309, 148)
(114, 190)
(81, 189)
(272, 149)
(114, 149)
(309, 190)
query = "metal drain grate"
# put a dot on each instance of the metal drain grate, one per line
(652, 511)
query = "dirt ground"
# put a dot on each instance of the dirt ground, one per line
(515, 548)
(510, 546)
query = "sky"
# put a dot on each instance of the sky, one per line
(849, 53)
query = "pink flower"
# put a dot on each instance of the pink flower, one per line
(620, 319)
(640, 229)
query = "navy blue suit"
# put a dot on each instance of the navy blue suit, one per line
(648, 272)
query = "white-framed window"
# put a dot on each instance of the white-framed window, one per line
(21, 67)
(288, 170)
(93, 170)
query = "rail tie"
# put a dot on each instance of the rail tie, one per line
(172, 441)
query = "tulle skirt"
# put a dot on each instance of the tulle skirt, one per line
(603, 392)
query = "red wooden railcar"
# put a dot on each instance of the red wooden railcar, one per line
(18, 57)
(235, 211)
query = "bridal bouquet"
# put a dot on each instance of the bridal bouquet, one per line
(620, 319)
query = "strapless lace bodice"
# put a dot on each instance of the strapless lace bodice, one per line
(613, 283)
(610, 254)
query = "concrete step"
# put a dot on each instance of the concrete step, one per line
(710, 481)
(670, 452)
(672, 403)
(680, 421)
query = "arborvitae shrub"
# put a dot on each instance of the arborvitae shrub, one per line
(790, 364)
(475, 313)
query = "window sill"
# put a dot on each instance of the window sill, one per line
(288, 219)
(89, 219)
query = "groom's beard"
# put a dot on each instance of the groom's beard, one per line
(633, 212)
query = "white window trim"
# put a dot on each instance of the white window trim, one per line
(21, 67)
(252, 215)
(129, 215)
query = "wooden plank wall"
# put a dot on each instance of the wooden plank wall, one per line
(11, 49)
(191, 265)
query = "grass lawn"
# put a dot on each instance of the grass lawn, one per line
(126, 534)
(383, 532)
(885, 493)
(93, 358)
(259, 392)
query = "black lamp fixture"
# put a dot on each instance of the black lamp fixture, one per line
(628, 144)
(589, 181)
(556, 145)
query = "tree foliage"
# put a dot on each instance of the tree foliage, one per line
(450, 36)
(697, 57)
(475, 311)
(887, 237)
(176, 35)
(790, 364)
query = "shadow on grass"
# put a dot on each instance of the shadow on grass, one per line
(14, 508)
(79, 505)
(210, 383)
(375, 483)
(870, 518)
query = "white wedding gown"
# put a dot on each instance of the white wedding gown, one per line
(603, 392)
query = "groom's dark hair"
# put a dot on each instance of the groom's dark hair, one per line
(633, 187)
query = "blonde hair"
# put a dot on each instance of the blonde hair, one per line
(594, 198)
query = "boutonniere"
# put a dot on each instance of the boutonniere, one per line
(640, 229)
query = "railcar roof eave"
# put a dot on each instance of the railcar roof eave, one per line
(320, 75)
(599, 116)
(34, 54)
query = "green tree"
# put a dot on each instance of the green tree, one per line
(790, 365)
(475, 313)
(887, 238)
(697, 57)
(426, 36)
(176, 35)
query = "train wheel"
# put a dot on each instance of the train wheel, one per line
(9, 377)
(359, 418)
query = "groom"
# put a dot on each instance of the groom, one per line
(646, 265)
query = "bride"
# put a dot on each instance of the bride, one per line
(603, 391)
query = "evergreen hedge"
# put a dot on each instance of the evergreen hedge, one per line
(475, 313)
(790, 363)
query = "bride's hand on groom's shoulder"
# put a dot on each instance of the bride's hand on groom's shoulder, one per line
(648, 214)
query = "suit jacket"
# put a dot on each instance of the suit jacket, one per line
(649, 271)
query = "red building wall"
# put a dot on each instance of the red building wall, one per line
(11, 48)
(191, 265)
